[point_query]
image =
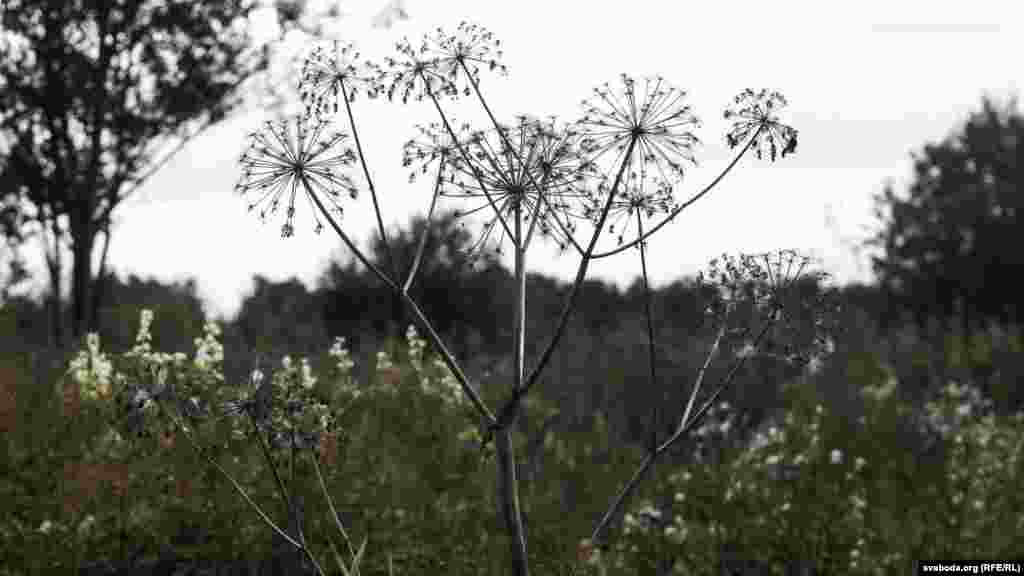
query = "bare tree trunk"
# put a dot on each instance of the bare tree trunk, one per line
(83, 237)
(97, 292)
(54, 265)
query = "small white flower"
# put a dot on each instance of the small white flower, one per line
(46, 526)
(255, 379)
(92, 341)
(308, 380)
(836, 457)
(86, 525)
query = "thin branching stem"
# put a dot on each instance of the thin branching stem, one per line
(465, 156)
(283, 491)
(238, 488)
(426, 230)
(535, 218)
(512, 405)
(507, 482)
(684, 205)
(348, 242)
(425, 325)
(684, 427)
(652, 371)
(369, 183)
(330, 504)
(504, 137)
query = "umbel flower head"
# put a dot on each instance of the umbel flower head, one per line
(434, 144)
(443, 64)
(807, 309)
(459, 56)
(650, 113)
(754, 115)
(330, 72)
(287, 156)
(536, 152)
(636, 199)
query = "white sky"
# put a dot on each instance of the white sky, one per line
(867, 83)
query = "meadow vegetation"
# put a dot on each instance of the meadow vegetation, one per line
(851, 471)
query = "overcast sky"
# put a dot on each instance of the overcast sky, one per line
(867, 83)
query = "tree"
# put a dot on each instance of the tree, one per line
(353, 296)
(950, 247)
(282, 317)
(91, 89)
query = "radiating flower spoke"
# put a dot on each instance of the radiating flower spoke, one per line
(537, 152)
(653, 115)
(439, 64)
(286, 157)
(330, 72)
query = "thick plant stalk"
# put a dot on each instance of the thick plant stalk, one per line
(508, 485)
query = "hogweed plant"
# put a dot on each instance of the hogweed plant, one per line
(622, 162)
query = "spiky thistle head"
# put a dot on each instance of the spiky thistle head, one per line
(333, 70)
(753, 115)
(293, 155)
(652, 115)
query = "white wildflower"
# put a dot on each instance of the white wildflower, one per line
(308, 380)
(86, 525)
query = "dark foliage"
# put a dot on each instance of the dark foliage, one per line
(89, 91)
(951, 246)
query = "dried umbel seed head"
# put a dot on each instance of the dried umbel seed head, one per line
(435, 145)
(335, 72)
(651, 115)
(780, 289)
(443, 64)
(303, 156)
(637, 199)
(533, 165)
(754, 115)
